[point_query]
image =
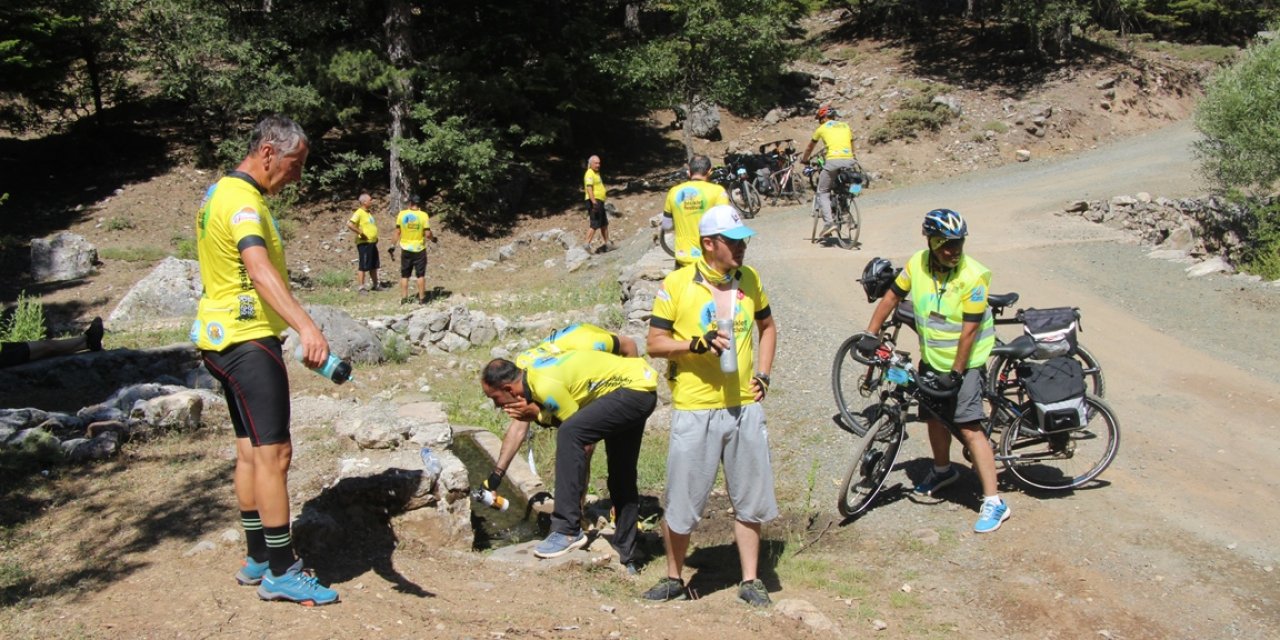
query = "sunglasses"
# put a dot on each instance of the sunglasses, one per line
(733, 242)
(940, 244)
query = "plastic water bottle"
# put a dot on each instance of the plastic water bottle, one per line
(490, 499)
(728, 357)
(431, 463)
(335, 368)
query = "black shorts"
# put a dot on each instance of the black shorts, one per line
(14, 353)
(411, 261)
(368, 252)
(256, 386)
(599, 219)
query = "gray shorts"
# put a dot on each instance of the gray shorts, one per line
(967, 406)
(700, 440)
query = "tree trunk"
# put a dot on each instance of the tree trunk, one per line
(632, 19)
(399, 95)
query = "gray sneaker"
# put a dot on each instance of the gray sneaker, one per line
(753, 593)
(936, 481)
(666, 590)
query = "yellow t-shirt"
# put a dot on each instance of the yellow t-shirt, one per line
(234, 215)
(591, 181)
(837, 137)
(368, 227)
(685, 307)
(579, 336)
(563, 383)
(686, 202)
(413, 225)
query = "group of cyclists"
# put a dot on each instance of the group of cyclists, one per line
(711, 305)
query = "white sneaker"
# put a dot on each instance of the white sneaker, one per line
(827, 229)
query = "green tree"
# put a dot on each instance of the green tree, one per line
(729, 52)
(1240, 119)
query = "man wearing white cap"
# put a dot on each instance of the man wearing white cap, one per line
(717, 414)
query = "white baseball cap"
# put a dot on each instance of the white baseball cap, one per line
(724, 220)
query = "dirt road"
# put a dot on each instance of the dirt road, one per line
(1181, 539)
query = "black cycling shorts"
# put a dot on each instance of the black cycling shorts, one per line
(369, 260)
(597, 216)
(256, 386)
(411, 261)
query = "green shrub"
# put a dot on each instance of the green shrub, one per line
(1263, 255)
(996, 126)
(25, 323)
(185, 248)
(395, 348)
(333, 279)
(1239, 115)
(913, 115)
(119, 223)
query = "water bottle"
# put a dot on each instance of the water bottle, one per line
(430, 463)
(335, 368)
(728, 357)
(490, 499)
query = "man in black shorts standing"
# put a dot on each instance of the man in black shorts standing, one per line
(413, 229)
(596, 216)
(245, 307)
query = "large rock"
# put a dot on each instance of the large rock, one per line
(704, 120)
(61, 256)
(351, 339)
(171, 290)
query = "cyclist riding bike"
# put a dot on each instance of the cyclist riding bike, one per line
(949, 291)
(837, 138)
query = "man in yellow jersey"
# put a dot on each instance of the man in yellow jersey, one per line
(590, 396)
(245, 307)
(596, 216)
(837, 138)
(716, 415)
(686, 202)
(366, 230)
(948, 290)
(413, 229)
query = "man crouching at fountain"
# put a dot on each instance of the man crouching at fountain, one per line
(591, 396)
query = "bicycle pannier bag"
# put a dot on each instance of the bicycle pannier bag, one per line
(1054, 331)
(1057, 390)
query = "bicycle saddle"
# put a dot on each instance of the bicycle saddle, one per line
(1020, 349)
(1002, 299)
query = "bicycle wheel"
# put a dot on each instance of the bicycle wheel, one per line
(872, 460)
(1092, 372)
(850, 222)
(745, 198)
(754, 202)
(854, 384)
(1061, 461)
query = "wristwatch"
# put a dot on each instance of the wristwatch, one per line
(764, 376)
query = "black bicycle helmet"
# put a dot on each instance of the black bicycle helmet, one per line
(945, 223)
(876, 278)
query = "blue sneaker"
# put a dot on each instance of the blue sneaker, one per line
(991, 516)
(251, 571)
(558, 544)
(935, 481)
(296, 585)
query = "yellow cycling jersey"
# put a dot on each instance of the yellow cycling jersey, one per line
(565, 382)
(837, 137)
(364, 220)
(686, 202)
(579, 336)
(591, 182)
(234, 215)
(684, 306)
(413, 225)
(942, 306)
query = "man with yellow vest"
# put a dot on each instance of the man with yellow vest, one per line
(366, 230)
(686, 202)
(413, 229)
(245, 307)
(837, 137)
(597, 218)
(590, 396)
(948, 290)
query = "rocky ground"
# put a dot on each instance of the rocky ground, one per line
(1158, 550)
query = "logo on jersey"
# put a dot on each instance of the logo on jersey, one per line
(248, 309)
(247, 214)
(215, 333)
(979, 294)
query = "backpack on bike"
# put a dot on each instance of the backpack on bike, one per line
(1057, 390)
(1054, 331)
(850, 180)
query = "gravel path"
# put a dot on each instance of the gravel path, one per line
(1191, 370)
